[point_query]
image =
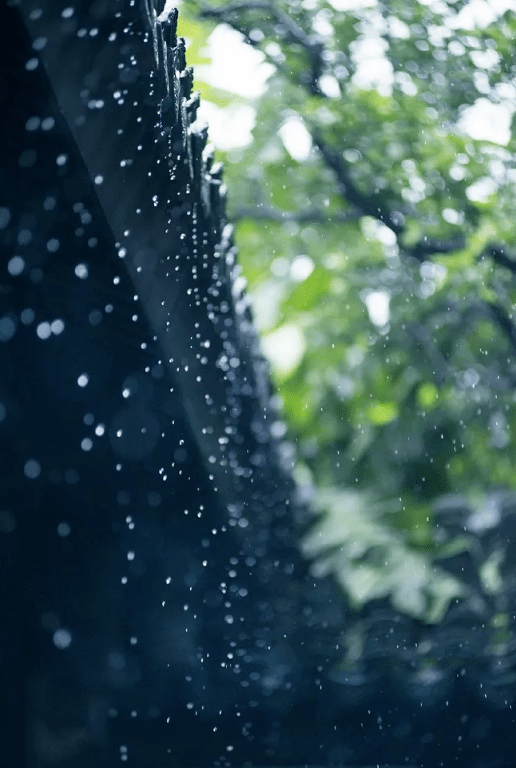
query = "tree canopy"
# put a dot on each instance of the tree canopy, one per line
(375, 231)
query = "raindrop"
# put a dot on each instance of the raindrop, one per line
(5, 217)
(27, 316)
(81, 270)
(24, 237)
(43, 331)
(63, 530)
(53, 245)
(32, 124)
(39, 43)
(32, 469)
(95, 317)
(57, 327)
(16, 265)
(7, 328)
(48, 123)
(62, 638)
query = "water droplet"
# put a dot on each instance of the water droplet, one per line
(32, 469)
(53, 245)
(27, 316)
(63, 530)
(57, 327)
(7, 328)
(44, 331)
(81, 270)
(15, 266)
(62, 638)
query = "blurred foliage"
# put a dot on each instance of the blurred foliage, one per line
(381, 262)
(373, 560)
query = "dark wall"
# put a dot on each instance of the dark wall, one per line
(125, 480)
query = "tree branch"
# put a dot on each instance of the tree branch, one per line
(370, 205)
(428, 247)
(312, 44)
(498, 254)
(504, 322)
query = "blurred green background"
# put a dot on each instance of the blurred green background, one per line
(369, 156)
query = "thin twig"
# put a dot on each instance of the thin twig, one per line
(370, 205)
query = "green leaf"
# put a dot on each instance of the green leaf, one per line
(382, 413)
(490, 575)
(427, 395)
(309, 292)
